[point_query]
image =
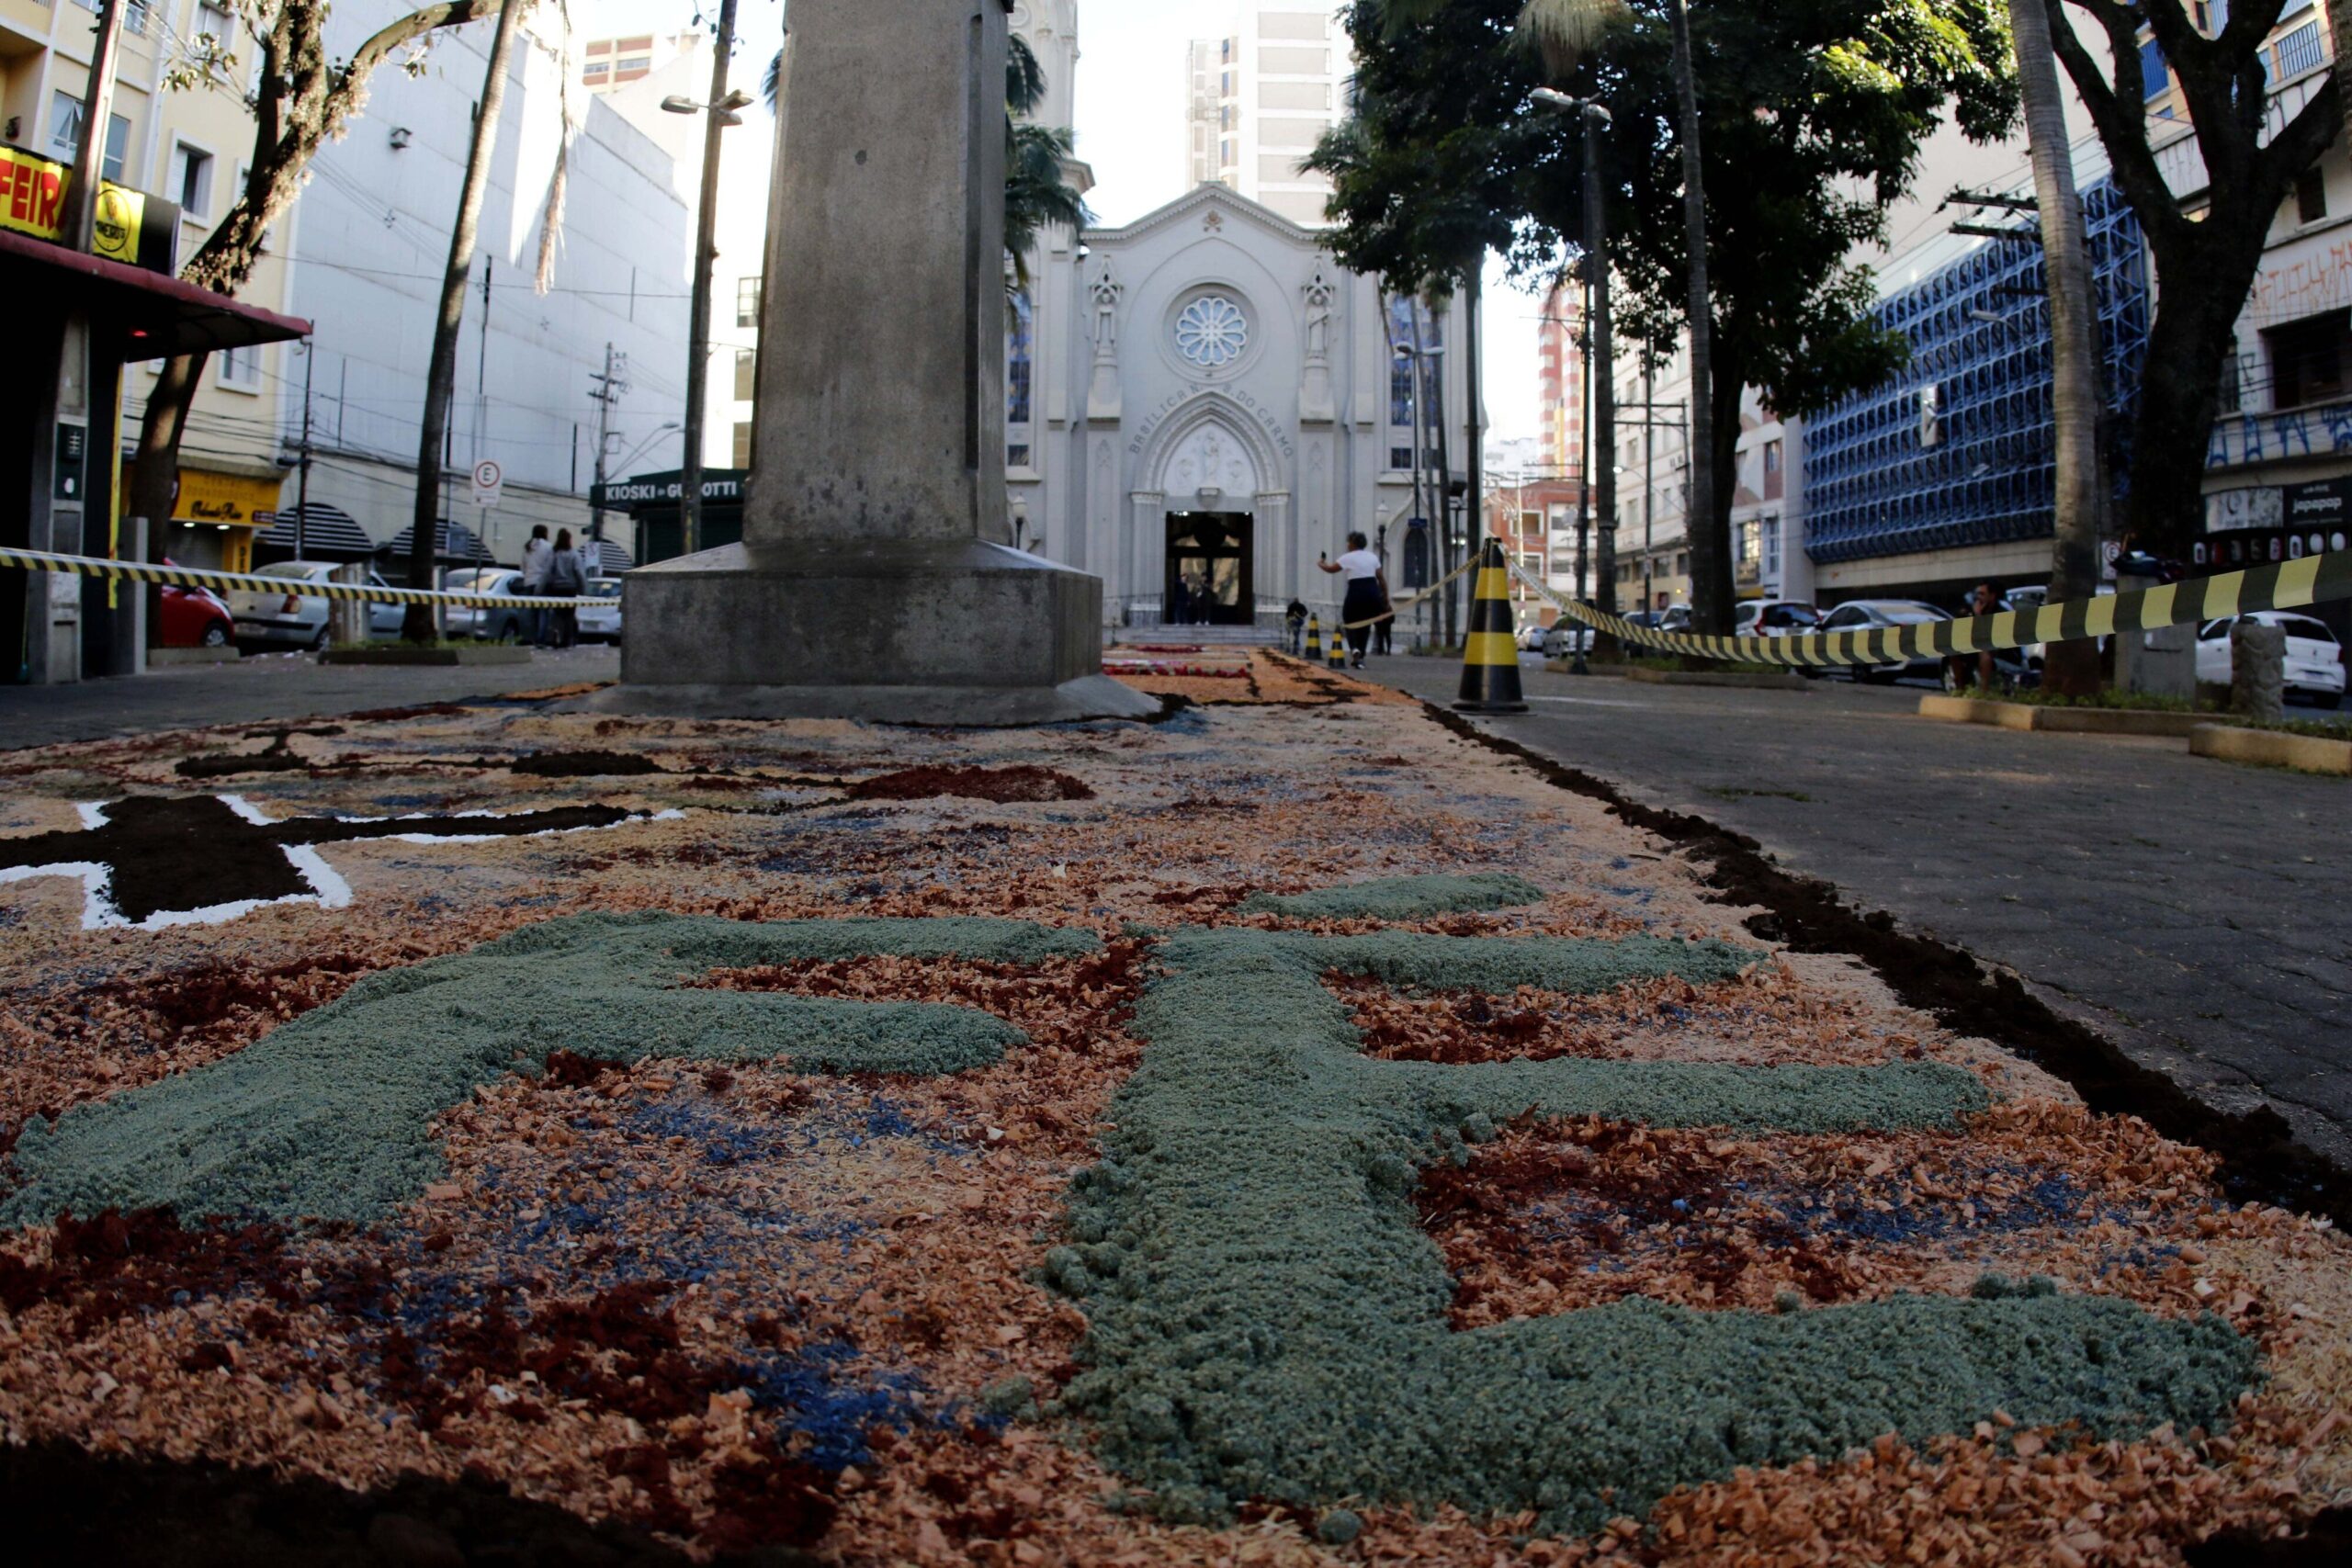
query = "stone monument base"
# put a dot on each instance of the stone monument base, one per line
(898, 631)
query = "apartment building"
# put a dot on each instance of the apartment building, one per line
(188, 146)
(1261, 97)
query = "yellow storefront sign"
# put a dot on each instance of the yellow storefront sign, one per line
(32, 201)
(231, 499)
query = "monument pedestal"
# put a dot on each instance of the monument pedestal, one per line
(898, 630)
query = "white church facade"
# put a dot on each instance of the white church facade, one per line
(1201, 402)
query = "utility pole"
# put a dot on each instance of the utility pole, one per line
(1649, 483)
(1710, 557)
(609, 388)
(1604, 354)
(303, 471)
(717, 115)
(97, 113)
(1472, 423)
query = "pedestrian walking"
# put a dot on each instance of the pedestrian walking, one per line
(1984, 602)
(1294, 617)
(1180, 602)
(1367, 592)
(566, 579)
(536, 554)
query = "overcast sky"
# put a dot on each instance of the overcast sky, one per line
(1131, 129)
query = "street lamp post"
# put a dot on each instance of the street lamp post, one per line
(719, 113)
(1600, 350)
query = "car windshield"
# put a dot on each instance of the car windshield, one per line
(467, 579)
(1791, 616)
(2296, 626)
(1911, 614)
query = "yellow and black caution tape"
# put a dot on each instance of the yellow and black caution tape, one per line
(300, 587)
(2289, 585)
(1410, 600)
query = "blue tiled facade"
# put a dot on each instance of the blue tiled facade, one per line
(1873, 489)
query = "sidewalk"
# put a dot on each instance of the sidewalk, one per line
(1286, 1134)
(2193, 911)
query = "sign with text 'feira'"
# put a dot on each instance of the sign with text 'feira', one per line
(130, 226)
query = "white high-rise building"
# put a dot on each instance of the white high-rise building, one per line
(1261, 96)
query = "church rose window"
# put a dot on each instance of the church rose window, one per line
(1212, 333)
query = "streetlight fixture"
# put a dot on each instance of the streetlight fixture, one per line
(658, 432)
(718, 114)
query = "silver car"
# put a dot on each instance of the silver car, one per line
(295, 619)
(504, 624)
(1880, 615)
(601, 622)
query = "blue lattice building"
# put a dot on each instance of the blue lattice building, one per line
(1944, 476)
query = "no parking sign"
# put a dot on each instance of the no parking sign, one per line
(490, 483)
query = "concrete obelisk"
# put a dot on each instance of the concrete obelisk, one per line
(876, 579)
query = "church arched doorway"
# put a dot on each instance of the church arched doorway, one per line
(1210, 576)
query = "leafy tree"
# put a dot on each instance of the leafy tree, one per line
(1813, 113)
(301, 100)
(2206, 241)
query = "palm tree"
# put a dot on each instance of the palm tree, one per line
(2071, 668)
(441, 377)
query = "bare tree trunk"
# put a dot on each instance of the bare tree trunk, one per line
(154, 475)
(441, 377)
(2071, 668)
(1709, 539)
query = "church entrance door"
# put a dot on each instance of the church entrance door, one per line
(1209, 580)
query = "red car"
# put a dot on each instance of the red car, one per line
(194, 618)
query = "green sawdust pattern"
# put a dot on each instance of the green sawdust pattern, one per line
(327, 1118)
(1398, 898)
(1268, 1320)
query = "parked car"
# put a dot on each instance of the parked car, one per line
(2315, 656)
(1530, 637)
(1878, 614)
(508, 624)
(1566, 639)
(1774, 617)
(194, 618)
(295, 619)
(2025, 601)
(601, 622)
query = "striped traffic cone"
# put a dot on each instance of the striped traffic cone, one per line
(1337, 651)
(1314, 640)
(1489, 651)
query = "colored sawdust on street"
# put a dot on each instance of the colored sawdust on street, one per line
(897, 1244)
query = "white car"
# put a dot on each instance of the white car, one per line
(1775, 617)
(601, 622)
(294, 619)
(2315, 659)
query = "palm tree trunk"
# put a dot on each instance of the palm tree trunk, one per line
(441, 377)
(2071, 668)
(1710, 542)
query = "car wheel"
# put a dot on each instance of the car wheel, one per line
(319, 643)
(217, 634)
(2327, 699)
(1950, 682)
(512, 631)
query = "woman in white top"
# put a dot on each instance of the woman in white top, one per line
(1367, 592)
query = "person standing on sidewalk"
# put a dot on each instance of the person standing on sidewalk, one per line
(1367, 592)
(566, 579)
(1294, 622)
(537, 556)
(1984, 602)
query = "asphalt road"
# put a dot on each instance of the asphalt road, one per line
(289, 687)
(2198, 913)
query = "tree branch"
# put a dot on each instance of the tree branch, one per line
(2123, 127)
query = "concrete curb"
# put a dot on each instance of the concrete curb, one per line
(2063, 721)
(2270, 747)
(173, 658)
(488, 653)
(1688, 677)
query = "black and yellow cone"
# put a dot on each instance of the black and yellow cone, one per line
(1489, 651)
(1314, 640)
(1338, 652)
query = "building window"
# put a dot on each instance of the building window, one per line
(1211, 333)
(747, 375)
(2155, 76)
(65, 135)
(212, 21)
(743, 444)
(1771, 530)
(2230, 376)
(747, 301)
(1683, 564)
(1020, 380)
(1771, 457)
(1018, 455)
(2308, 359)
(2311, 195)
(1401, 458)
(192, 180)
(2299, 50)
(134, 18)
(240, 368)
(595, 73)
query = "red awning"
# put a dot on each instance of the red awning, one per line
(140, 314)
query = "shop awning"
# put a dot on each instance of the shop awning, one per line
(454, 544)
(136, 314)
(328, 533)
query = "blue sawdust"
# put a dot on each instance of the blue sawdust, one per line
(818, 1394)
